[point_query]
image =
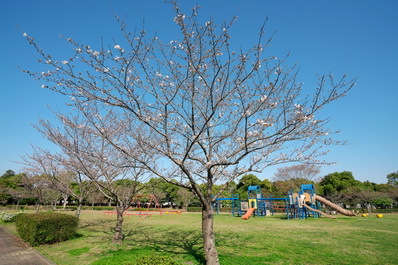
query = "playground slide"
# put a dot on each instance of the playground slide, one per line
(248, 213)
(321, 213)
(334, 206)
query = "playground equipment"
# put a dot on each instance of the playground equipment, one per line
(248, 213)
(307, 203)
(234, 204)
(143, 207)
(259, 206)
(301, 205)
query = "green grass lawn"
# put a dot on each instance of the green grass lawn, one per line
(269, 240)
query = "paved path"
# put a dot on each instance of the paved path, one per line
(13, 251)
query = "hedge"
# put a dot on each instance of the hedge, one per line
(46, 228)
(95, 208)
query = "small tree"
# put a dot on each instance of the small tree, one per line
(40, 188)
(382, 201)
(185, 197)
(93, 160)
(204, 111)
(11, 188)
(392, 179)
(62, 171)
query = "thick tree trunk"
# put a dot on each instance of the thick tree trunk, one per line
(209, 239)
(118, 235)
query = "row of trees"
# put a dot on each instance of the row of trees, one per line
(45, 190)
(340, 187)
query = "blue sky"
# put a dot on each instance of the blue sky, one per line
(356, 37)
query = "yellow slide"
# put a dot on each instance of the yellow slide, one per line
(248, 213)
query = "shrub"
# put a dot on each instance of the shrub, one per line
(9, 216)
(46, 228)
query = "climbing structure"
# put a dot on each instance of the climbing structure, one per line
(256, 205)
(306, 203)
(234, 203)
(302, 204)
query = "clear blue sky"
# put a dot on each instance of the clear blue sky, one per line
(358, 37)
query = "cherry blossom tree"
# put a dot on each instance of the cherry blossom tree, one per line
(204, 110)
(62, 171)
(88, 154)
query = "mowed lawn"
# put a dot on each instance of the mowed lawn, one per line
(268, 240)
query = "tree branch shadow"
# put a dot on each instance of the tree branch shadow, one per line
(188, 242)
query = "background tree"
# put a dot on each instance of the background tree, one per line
(11, 188)
(40, 188)
(338, 182)
(252, 180)
(185, 197)
(382, 200)
(163, 191)
(204, 110)
(309, 172)
(96, 197)
(392, 179)
(63, 171)
(280, 188)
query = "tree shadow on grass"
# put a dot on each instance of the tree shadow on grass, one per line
(188, 242)
(93, 224)
(180, 242)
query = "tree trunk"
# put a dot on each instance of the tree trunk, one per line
(37, 207)
(369, 207)
(17, 205)
(79, 208)
(118, 235)
(209, 239)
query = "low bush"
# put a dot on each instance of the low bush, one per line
(46, 228)
(68, 208)
(384, 210)
(100, 208)
(9, 216)
(194, 209)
